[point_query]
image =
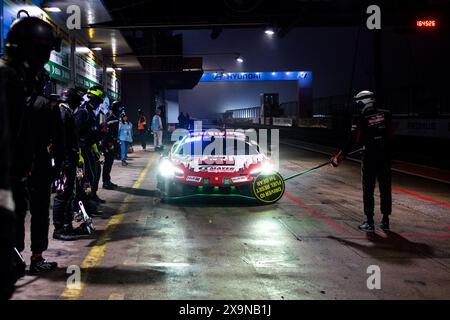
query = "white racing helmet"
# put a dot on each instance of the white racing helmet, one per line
(365, 98)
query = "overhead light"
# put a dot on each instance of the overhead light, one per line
(109, 69)
(82, 50)
(240, 59)
(97, 49)
(269, 32)
(52, 9)
(90, 17)
(118, 69)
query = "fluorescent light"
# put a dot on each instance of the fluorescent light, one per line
(270, 32)
(109, 69)
(240, 59)
(97, 49)
(52, 9)
(82, 50)
(118, 69)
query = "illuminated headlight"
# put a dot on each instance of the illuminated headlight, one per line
(266, 168)
(168, 170)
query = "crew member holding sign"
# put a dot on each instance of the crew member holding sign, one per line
(372, 130)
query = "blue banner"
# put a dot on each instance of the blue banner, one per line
(304, 77)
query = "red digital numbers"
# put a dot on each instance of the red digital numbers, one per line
(426, 23)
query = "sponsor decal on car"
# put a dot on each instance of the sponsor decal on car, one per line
(239, 179)
(229, 161)
(193, 179)
(217, 169)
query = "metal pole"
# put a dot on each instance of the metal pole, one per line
(73, 66)
(378, 65)
(317, 167)
(354, 63)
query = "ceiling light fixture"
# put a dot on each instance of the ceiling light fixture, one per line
(82, 50)
(270, 32)
(52, 9)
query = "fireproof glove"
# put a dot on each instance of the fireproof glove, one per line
(96, 151)
(337, 159)
(80, 159)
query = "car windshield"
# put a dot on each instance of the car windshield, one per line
(216, 146)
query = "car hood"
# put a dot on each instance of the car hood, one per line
(218, 163)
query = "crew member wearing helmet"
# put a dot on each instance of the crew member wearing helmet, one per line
(372, 130)
(63, 205)
(28, 46)
(88, 131)
(48, 154)
(109, 143)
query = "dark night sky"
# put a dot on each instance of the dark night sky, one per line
(327, 52)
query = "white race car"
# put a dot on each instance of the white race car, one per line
(212, 164)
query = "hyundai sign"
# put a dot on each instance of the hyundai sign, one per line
(304, 77)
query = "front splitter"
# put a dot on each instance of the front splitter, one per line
(207, 195)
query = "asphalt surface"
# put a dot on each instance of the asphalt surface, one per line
(307, 246)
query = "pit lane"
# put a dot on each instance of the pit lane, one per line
(304, 247)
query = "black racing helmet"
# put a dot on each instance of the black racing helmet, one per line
(72, 97)
(117, 107)
(32, 39)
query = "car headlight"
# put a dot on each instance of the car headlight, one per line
(168, 170)
(265, 168)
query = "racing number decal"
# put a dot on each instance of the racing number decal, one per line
(269, 188)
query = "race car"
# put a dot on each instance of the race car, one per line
(212, 164)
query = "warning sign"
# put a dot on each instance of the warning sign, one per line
(269, 188)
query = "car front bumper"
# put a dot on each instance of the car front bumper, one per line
(172, 188)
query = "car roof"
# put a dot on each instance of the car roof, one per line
(238, 135)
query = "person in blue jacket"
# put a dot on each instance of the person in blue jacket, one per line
(125, 137)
